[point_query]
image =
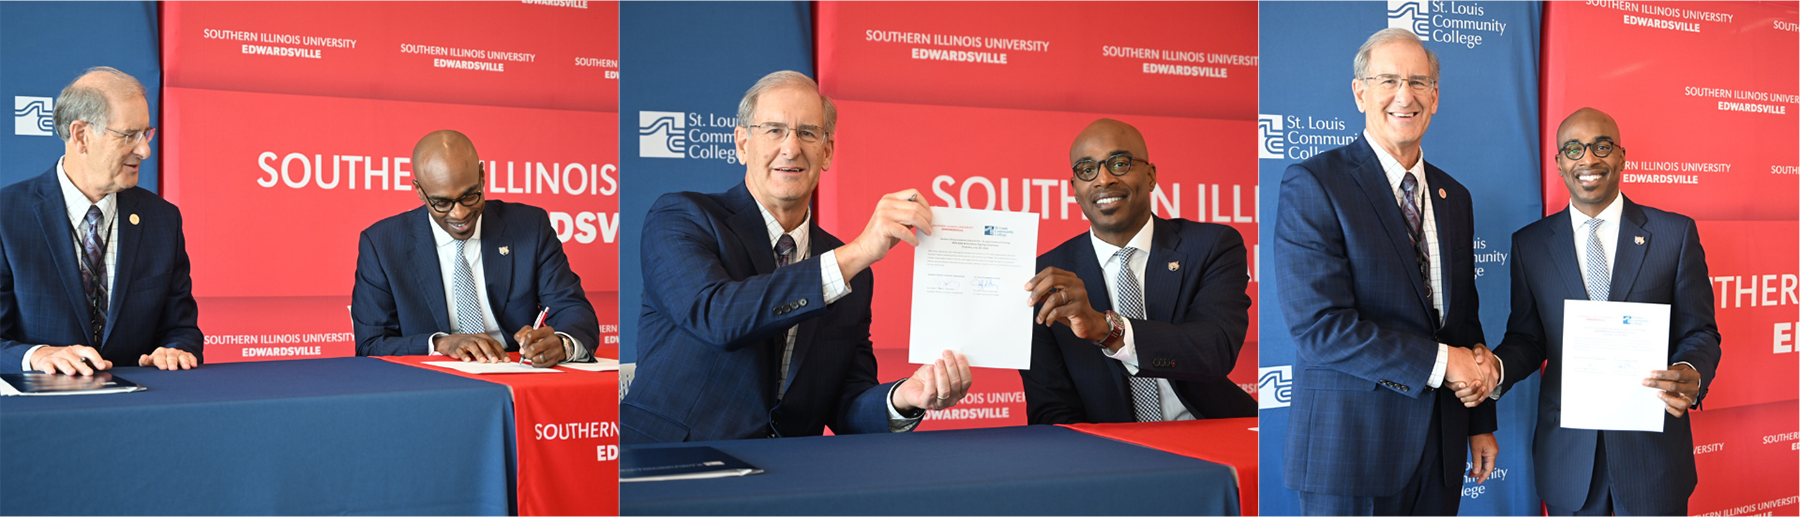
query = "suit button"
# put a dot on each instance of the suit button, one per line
(802, 302)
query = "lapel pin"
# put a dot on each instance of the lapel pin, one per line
(1174, 266)
(1442, 194)
(506, 250)
(1639, 239)
(134, 220)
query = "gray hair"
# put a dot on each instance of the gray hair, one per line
(89, 102)
(784, 78)
(1383, 37)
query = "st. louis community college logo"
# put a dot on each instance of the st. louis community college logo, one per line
(661, 135)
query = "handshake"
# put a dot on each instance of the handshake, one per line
(1474, 373)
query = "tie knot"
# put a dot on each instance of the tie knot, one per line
(93, 216)
(460, 243)
(1409, 183)
(784, 245)
(1125, 254)
(1594, 225)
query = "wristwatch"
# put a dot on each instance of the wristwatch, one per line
(1117, 332)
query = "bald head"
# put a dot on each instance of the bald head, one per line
(1122, 136)
(1585, 116)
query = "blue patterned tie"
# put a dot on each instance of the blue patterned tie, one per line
(784, 250)
(1146, 398)
(1599, 280)
(1415, 229)
(93, 272)
(468, 304)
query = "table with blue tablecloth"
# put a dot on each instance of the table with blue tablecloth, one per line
(1027, 470)
(348, 435)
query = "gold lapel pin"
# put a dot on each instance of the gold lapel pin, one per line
(1639, 239)
(134, 219)
(1174, 266)
(1443, 195)
(505, 250)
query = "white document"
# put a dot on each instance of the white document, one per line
(969, 287)
(480, 368)
(600, 364)
(1609, 348)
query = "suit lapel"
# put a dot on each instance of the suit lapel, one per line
(428, 278)
(752, 232)
(495, 266)
(1161, 280)
(808, 328)
(1380, 194)
(1562, 253)
(1447, 231)
(1628, 253)
(1086, 266)
(130, 239)
(53, 216)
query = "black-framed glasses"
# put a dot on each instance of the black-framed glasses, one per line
(776, 132)
(1391, 82)
(135, 136)
(444, 206)
(1118, 165)
(1602, 148)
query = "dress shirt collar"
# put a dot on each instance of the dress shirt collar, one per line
(443, 238)
(1104, 251)
(1391, 166)
(77, 203)
(1611, 214)
(802, 242)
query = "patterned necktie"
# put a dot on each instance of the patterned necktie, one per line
(1599, 280)
(468, 304)
(784, 255)
(93, 272)
(1415, 230)
(1146, 398)
(784, 250)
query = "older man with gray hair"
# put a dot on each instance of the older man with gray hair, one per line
(94, 269)
(755, 321)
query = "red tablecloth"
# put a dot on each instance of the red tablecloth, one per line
(1227, 441)
(568, 437)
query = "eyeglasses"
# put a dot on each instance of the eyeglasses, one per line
(1087, 170)
(1391, 82)
(776, 132)
(135, 136)
(444, 206)
(1602, 148)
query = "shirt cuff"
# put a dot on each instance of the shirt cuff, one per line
(431, 343)
(896, 422)
(573, 351)
(833, 278)
(1127, 353)
(24, 364)
(1437, 370)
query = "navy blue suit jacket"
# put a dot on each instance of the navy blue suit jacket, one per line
(41, 298)
(1364, 341)
(1666, 266)
(715, 322)
(1198, 314)
(398, 301)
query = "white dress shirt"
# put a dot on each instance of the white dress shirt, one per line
(77, 205)
(834, 289)
(446, 253)
(1396, 174)
(1172, 408)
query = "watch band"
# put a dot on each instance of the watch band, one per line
(1115, 331)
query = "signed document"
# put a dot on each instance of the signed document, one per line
(1609, 348)
(968, 287)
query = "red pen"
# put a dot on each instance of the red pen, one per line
(534, 326)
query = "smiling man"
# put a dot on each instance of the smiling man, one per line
(1375, 277)
(1141, 318)
(1606, 247)
(94, 269)
(454, 276)
(755, 321)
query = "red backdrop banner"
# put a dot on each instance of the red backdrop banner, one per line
(976, 104)
(1705, 97)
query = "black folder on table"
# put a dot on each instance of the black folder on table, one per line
(61, 384)
(670, 463)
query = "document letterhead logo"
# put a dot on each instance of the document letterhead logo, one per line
(1268, 136)
(1275, 386)
(1411, 16)
(661, 135)
(33, 116)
